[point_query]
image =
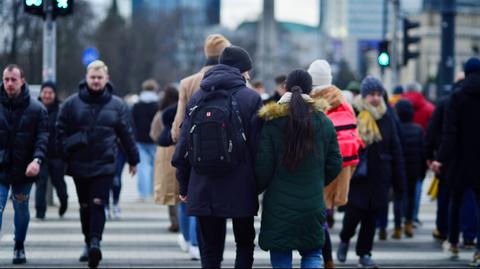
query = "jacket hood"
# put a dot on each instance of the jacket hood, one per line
(221, 77)
(405, 111)
(331, 94)
(471, 84)
(417, 99)
(273, 111)
(103, 98)
(23, 99)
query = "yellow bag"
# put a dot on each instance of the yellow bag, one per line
(433, 189)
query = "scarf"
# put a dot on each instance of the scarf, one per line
(367, 120)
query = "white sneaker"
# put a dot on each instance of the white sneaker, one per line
(107, 214)
(194, 253)
(182, 243)
(116, 212)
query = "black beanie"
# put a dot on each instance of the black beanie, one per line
(301, 78)
(50, 84)
(236, 57)
(471, 66)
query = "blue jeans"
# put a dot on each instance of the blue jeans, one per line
(145, 169)
(283, 259)
(188, 225)
(117, 180)
(418, 197)
(468, 215)
(20, 206)
(382, 218)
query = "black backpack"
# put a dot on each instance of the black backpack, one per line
(216, 137)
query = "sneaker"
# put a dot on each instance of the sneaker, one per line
(342, 252)
(94, 253)
(408, 229)
(417, 224)
(107, 214)
(329, 264)
(19, 256)
(438, 235)
(194, 253)
(397, 233)
(366, 262)
(84, 255)
(63, 208)
(173, 228)
(468, 244)
(382, 234)
(182, 243)
(476, 260)
(454, 252)
(116, 212)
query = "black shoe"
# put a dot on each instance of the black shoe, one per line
(19, 256)
(94, 253)
(84, 256)
(63, 208)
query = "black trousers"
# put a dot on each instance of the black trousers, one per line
(92, 195)
(327, 247)
(213, 232)
(410, 199)
(55, 168)
(367, 219)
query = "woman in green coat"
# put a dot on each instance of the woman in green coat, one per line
(298, 156)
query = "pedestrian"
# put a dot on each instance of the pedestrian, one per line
(381, 165)
(143, 113)
(23, 149)
(414, 156)
(53, 167)
(216, 173)
(459, 149)
(280, 89)
(213, 48)
(89, 124)
(345, 123)
(298, 155)
(422, 107)
(165, 183)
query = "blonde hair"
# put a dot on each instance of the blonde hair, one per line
(98, 65)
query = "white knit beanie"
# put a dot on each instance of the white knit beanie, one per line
(321, 74)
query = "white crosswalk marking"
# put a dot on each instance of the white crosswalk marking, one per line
(141, 239)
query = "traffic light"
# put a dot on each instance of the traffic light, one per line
(383, 58)
(408, 40)
(62, 7)
(34, 7)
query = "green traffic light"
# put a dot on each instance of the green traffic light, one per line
(62, 3)
(33, 3)
(383, 59)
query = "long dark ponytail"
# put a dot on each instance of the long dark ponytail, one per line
(299, 133)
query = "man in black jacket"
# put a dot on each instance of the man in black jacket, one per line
(54, 166)
(23, 146)
(89, 124)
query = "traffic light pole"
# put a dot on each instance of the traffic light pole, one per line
(395, 55)
(49, 62)
(49, 44)
(447, 62)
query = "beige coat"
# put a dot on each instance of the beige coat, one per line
(188, 86)
(165, 181)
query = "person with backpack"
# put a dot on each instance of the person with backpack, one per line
(214, 158)
(343, 118)
(298, 155)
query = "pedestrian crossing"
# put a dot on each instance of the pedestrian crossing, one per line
(141, 239)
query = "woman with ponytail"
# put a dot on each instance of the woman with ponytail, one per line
(298, 155)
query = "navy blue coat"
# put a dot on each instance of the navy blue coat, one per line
(99, 157)
(385, 168)
(460, 144)
(31, 137)
(233, 195)
(413, 143)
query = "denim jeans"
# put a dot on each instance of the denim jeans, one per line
(117, 180)
(398, 207)
(460, 199)
(145, 169)
(418, 198)
(188, 225)
(468, 215)
(283, 259)
(20, 206)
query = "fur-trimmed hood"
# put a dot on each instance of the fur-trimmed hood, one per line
(331, 94)
(273, 111)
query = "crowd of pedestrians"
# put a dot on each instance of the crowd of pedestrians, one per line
(216, 147)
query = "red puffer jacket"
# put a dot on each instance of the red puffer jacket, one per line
(345, 122)
(423, 108)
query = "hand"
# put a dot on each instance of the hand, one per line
(183, 198)
(32, 169)
(132, 170)
(436, 167)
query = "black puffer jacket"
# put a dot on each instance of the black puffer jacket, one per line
(31, 137)
(413, 141)
(53, 111)
(77, 114)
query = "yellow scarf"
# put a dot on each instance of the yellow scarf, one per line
(367, 121)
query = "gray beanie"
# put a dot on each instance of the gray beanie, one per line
(371, 84)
